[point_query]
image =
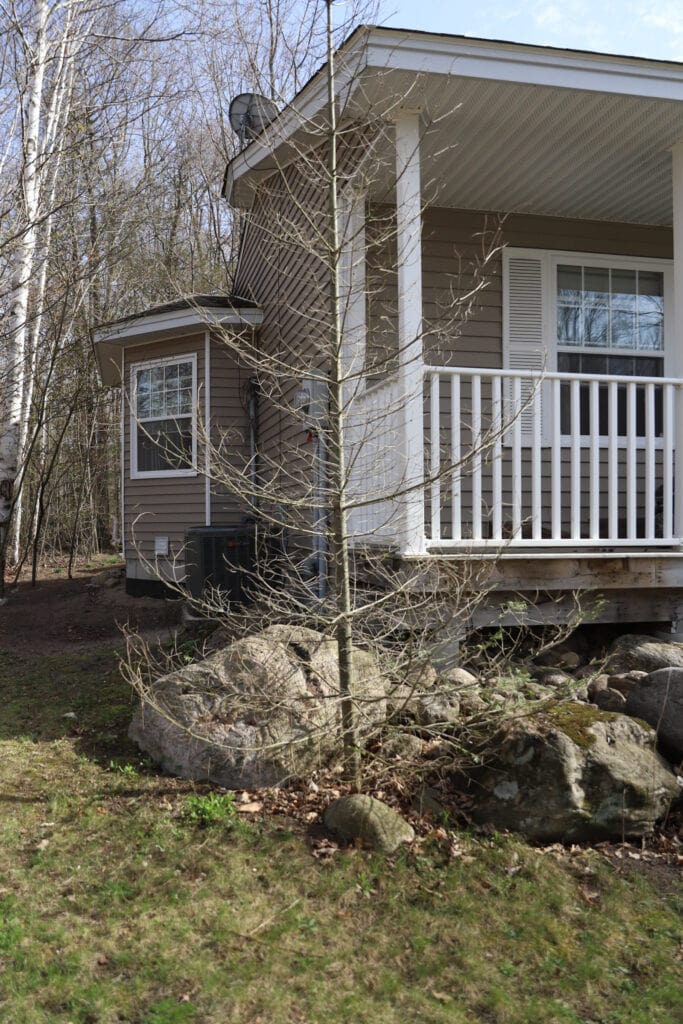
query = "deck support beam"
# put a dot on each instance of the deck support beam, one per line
(410, 355)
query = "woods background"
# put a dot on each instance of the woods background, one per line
(115, 136)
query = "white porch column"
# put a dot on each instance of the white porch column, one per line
(677, 183)
(409, 249)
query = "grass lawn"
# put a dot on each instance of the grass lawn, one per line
(114, 907)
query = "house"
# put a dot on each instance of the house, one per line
(511, 230)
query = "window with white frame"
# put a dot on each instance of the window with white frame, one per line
(163, 426)
(592, 314)
(610, 320)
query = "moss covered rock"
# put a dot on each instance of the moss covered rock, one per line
(575, 773)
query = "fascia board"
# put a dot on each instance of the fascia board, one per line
(176, 320)
(108, 342)
(506, 62)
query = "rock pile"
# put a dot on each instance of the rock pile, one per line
(573, 751)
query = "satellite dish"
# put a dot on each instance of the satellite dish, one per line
(249, 114)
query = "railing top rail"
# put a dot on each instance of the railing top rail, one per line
(601, 378)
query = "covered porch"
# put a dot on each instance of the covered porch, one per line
(524, 455)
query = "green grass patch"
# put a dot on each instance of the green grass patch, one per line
(115, 906)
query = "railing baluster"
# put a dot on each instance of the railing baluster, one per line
(650, 461)
(456, 475)
(631, 479)
(669, 430)
(536, 441)
(594, 490)
(613, 460)
(435, 460)
(576, 460)
(517, 458)
(476, 456)
(556, 468)
(497, 457)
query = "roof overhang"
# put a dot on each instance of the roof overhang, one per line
(506, 126)
(110, 340)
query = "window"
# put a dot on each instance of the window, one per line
(610, 308)
(591, 314)
(163, 434)
(610, 321)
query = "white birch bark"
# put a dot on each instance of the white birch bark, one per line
(15, 370)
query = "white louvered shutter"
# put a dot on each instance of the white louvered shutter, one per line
(524, 333)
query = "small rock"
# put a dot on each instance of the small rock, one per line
(554, 678)
(402, 745)
(624, 682)
(70, 714)
(460, 677)
(596, 686)
(363, 817)
(437, 709)
(658, 700)
(471, 703)
(643, 652)
(610, 700)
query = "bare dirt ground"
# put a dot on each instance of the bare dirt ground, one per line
(59, 615)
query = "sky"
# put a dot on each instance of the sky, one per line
(639, 28)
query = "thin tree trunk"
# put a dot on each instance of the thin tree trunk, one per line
(339, 537)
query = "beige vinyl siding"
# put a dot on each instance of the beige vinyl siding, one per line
(161, 506)
(461, 253)
(282, 268)
(455, 242)
(229, 433)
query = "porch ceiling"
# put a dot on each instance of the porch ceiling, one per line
(529, 148)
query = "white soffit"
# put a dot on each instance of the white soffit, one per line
(536, 130)
(537, 149)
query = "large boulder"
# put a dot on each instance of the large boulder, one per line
(363, 817)
(575, 773)
(658, 699)
(264, 709)
(643, 653)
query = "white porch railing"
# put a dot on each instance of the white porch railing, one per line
(522, 459)
(550, 459)
(375, 466)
